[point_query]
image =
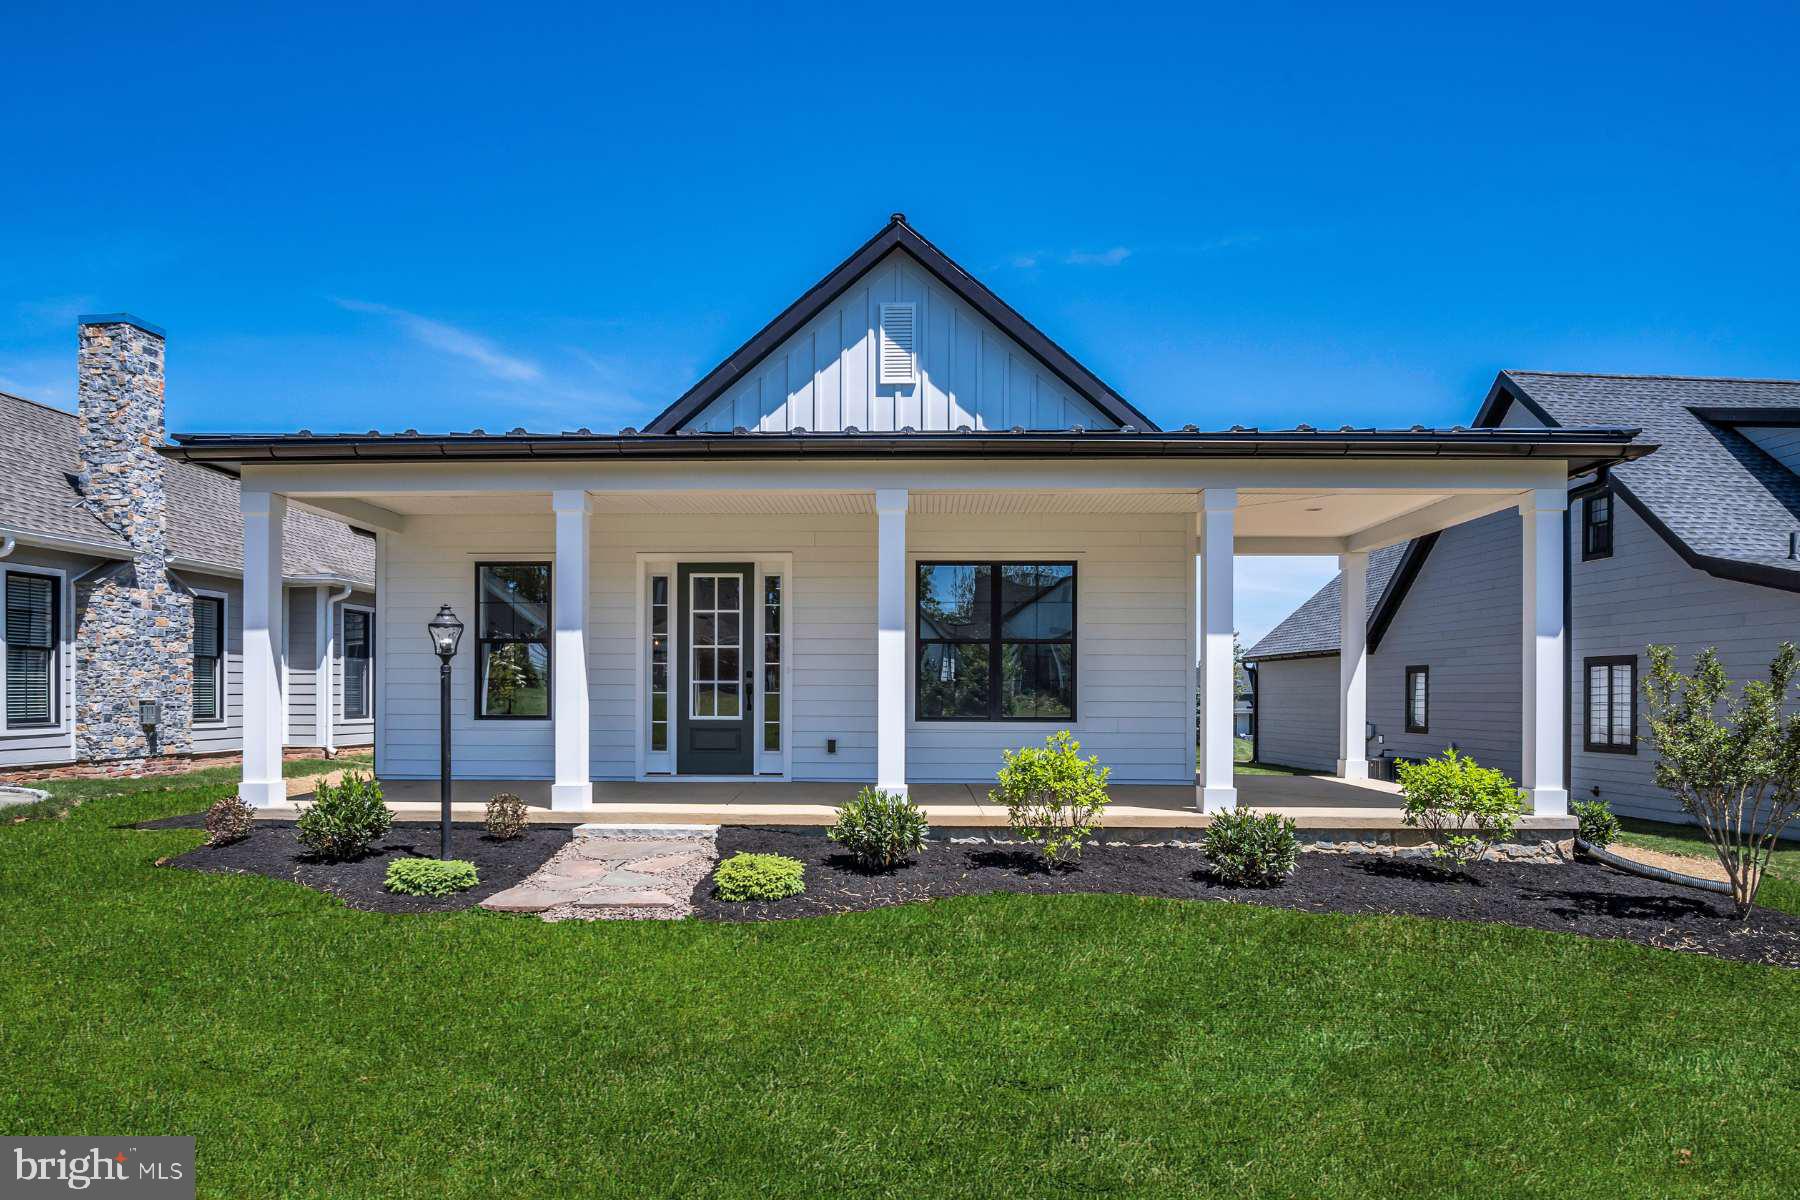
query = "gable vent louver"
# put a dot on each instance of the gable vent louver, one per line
(897, 345)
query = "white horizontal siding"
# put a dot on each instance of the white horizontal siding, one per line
(30, 747)
(825, 376)
(1134, 595)
(227, 735)
(1297, 712)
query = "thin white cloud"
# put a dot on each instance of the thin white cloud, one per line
(471, 347)
(1025, 262)
(1098, 258)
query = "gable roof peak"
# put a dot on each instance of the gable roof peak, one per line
(898, 234)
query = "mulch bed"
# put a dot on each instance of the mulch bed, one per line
(1578, 897)
(272, 850)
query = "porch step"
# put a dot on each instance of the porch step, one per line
(596, 829)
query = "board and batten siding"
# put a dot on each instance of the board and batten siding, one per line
(1297, 712)
(36, 745)
(1645, 594)
(825, 377)
(1134, 613)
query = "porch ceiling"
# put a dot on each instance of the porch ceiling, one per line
(1322, 513)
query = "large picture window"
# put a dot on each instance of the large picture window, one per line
(512, 641)
(359, 657)
(1612, 704)
(32, 619)
(995, 642)
(209, 658)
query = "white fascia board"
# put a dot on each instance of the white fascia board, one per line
(1433, 475)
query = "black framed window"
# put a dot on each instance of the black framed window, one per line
(33, 617)
(512, 641)
(209, 658)
(1418, 699)
(359, 659)
(1612, 704)
(1597, 526)
(995, 641)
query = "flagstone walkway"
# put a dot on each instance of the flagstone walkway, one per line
(642, 872)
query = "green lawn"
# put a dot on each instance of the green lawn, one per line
(1242, 751)
(1780, 886)
(65, 793)
(1004, 1045)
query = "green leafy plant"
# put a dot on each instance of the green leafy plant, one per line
(1252, 849)
(880, 829)
(228, 820)
(505, 818)
(1464, 807)
(1595, 823)
(759, 877)
(1732, 762)
(342, 820)
(430, 876)
(1054, 798)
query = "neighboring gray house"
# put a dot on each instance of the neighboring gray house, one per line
(122, 576)
(1693, 545)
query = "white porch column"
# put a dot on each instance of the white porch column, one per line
(890, 639)
(574, 786)
(1218, 521)
(1542, 770)
(264, 613)
(1353, 665)
(324, 659)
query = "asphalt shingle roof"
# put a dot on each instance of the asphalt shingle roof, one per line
(1313, 627)
(39, 465)
(1713, 488)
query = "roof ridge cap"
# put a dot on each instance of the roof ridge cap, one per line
(1514, 371)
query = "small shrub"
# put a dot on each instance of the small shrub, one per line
(342, 821)
(505, 817)
(1053, 796)
(881, 829)
(1466, 808)
(759, 877)
(228, 820)
(1250, 849)
(430, 876)
(1596, 824)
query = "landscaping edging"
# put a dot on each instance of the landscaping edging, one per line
(1565, 897)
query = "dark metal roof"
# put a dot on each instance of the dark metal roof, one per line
(1583, 449)
(898, 234)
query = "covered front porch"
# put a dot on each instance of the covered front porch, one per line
(1318, 804)
(843, 538)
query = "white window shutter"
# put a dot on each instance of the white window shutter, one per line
(897, 345)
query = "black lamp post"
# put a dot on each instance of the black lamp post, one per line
(446, 634)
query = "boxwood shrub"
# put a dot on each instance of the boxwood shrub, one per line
(430, 876)
(342, 820)
(880, 829)
(759, 877)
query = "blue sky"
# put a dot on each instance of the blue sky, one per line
(443, 218)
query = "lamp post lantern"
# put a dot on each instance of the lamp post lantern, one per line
(446, 634)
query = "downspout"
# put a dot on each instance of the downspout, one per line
(329, 653)
(7, 546)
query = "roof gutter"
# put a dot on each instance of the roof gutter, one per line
(49, 541)
(1582, 448)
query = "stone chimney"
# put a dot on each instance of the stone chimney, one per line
(133, 639)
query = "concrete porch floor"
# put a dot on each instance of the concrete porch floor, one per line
(1315, 802)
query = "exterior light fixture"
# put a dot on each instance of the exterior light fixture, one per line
(446, 635)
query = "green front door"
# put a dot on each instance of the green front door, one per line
(715, 697)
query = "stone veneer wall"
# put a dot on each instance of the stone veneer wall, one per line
(134, 628)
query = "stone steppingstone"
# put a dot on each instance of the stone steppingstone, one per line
(631, 879)
(663, 862)
(526, 898)
(644, 898)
